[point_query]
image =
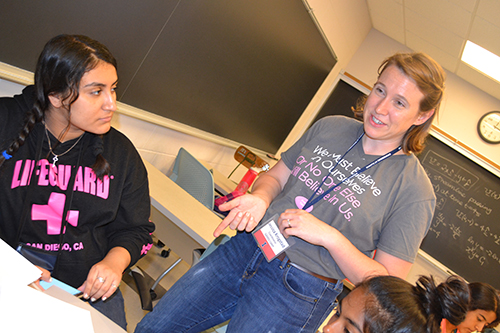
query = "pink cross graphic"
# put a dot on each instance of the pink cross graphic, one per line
(52, 213)
(146, 248)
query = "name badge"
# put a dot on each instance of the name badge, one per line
(270, 240)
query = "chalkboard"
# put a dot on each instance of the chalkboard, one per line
(243, 70)
(465, 231)
(343, 97)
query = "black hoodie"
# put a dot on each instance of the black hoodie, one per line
(102, 214)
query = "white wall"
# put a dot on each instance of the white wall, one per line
(159, 145)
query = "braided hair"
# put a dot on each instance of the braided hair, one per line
(59, 70)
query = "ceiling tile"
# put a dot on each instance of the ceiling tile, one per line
(389, 28)
(443, 13)
(443, 58)
(434, 34)
(468, 5)
(390, 10)
(486, 34)
(489, 10)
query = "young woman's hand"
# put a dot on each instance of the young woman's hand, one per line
(105, 276)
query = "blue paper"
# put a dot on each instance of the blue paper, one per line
(62, 285)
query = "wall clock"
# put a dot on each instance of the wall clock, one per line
(488, 127)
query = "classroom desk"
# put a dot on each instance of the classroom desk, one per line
(182, 222)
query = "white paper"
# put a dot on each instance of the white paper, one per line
(25, 309)
(15, 269)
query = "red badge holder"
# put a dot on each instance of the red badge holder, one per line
(270, 240)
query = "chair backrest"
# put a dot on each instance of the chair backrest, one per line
(194, 178)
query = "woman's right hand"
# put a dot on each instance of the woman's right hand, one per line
(245, 213)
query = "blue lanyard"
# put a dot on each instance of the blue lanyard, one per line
(312, 201)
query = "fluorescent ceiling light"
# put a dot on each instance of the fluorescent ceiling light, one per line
(481, 59)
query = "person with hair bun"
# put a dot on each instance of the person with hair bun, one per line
(483, 311)
(74, 191)
(392, 305)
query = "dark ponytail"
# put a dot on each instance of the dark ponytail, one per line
(448, 300)
(101, 167)
(393, 305)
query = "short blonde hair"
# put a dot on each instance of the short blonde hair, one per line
(429, 77)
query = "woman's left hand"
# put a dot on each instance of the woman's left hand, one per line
(299, 223)
(105, 276)
(102, 282)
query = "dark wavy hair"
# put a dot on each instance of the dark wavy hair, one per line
(430, 78)
(59, 70)
(485, 297)
(393, 305)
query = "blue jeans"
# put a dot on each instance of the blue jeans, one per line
(113, 308)
(236, 282)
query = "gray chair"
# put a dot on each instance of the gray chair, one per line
(194, 178)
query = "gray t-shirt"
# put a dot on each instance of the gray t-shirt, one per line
(388, 207)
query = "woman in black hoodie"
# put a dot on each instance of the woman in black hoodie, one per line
(74, 191)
